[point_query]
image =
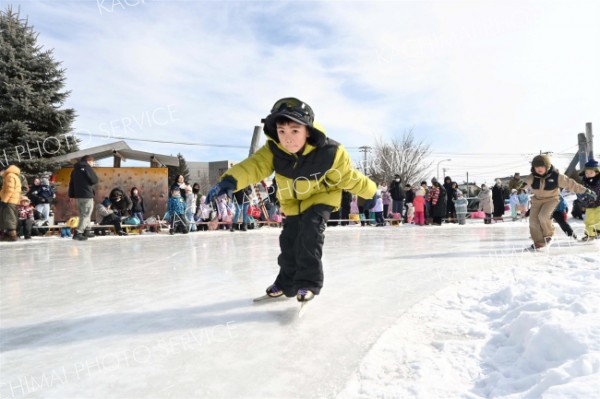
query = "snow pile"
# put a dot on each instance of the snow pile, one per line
(531, 330)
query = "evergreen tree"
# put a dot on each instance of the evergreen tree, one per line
(182, 169)
(33, 128)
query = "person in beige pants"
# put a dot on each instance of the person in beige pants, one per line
(545, 182)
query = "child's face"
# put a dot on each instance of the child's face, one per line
(292, 136)
(590, 173)
(540, 170)
(135, 192)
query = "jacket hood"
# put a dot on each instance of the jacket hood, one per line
(13, 169)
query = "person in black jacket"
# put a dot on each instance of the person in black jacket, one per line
(498, 200)
(121, 204)
(397, 192)
(137, 204)
(450, 197)
(409, 196)
(81, 188)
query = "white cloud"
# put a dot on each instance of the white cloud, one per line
(467, 77)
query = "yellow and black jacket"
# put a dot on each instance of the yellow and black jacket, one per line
(316, 176)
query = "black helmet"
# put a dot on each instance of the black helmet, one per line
(297, 111)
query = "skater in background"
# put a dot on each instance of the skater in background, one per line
(387, 202)
(485, 203)
(179, 184)
(560, 216)
(419, 206)
(137, 204)
(311, 171)
(460, 203)
(427, 202)
(523, 206)
(498, 200)
(514, 203)
(545, 182)
(591, 180)
(409, 196)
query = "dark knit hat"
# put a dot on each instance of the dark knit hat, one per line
(592, 164)
(541, 160)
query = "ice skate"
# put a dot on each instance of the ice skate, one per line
(273, 292)
(304, 295)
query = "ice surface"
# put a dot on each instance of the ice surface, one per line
(172, 316)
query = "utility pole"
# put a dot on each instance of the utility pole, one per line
(365, 149)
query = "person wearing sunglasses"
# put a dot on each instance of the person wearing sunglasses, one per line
(311, 171)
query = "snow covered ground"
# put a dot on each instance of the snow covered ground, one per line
(446, 312)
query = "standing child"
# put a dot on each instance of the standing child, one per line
(419, 205)
(190, 206)
(378, 209)
(545, 182)
(591, 180)
(311, 172)
(485, 203)
(203, 213)
(514, 203)
(523, 203)
(177, 211)
(223, 212)
(25, 217)
(137, 205)
(460, 203)
(410, 212)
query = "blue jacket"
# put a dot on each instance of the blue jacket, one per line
(562, 204)
(176, 206)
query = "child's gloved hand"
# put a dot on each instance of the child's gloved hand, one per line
(591, 193)
(225, 186)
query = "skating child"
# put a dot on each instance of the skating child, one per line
(460, 204)
(545, 182)
(485, 203)
(560, 216)
(523, 203)
(311, 172)
(514, 203)
(591, 180)
(410, 212)
(419, 205)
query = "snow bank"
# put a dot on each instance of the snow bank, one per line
(530, 331)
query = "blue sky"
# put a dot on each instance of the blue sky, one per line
(488, 77)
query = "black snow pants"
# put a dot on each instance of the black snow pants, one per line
(301, 243)
(559, 218)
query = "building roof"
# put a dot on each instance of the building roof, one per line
(119, 149)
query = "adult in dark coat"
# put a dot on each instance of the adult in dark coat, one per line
(397, 193)
(438, 207)
(498, 199)
(450, 197)
(345, 207)
(81, 188)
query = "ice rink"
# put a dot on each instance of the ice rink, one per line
(159, 316)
